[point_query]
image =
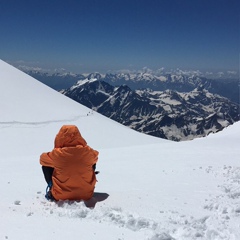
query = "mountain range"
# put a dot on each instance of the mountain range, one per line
(158, 81)
(166, 114)
(174, 106)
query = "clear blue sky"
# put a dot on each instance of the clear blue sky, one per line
(101, 35)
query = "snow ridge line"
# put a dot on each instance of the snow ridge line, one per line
(43, 122)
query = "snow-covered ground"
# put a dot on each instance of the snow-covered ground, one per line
(150, 188)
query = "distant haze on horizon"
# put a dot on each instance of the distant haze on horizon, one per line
(111, 35)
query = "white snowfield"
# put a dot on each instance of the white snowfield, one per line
(150, 188)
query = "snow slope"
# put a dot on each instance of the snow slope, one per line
(152, 188)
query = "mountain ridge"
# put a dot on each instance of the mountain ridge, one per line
(166, 114)
(176, 80)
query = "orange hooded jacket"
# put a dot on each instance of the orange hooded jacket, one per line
(72, 159)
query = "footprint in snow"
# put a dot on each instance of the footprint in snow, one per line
(17, 202)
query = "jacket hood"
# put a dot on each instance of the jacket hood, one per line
(69, 136)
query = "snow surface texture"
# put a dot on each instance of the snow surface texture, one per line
(148, 188)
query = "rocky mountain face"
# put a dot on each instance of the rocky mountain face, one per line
(170, 114)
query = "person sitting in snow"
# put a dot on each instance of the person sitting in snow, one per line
(69, 169)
